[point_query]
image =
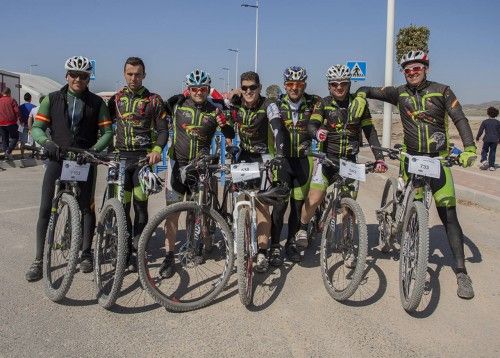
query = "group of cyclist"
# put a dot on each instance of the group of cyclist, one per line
(283, 128)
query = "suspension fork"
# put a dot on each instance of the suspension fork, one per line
(53, 212)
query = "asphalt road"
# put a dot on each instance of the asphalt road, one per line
(293, 314)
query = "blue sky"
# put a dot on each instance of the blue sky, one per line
(174, 37)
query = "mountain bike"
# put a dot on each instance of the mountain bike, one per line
(111, 244)
(204, 250)
(64, 233)
(344, 240)
(403, 219)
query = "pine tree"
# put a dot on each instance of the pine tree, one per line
(412, 38)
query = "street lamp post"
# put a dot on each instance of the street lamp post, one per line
(256, 7)
(389, 48)
(31, 66)
(227, 83)
(237, 54)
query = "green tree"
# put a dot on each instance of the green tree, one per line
(273, 91)
(412, 38)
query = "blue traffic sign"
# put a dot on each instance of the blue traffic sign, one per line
(358, 70)
(92, 75)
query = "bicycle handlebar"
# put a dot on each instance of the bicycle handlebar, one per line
(395, 154)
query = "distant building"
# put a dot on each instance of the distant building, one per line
(11, 80)
(37, 86)
(105, 95)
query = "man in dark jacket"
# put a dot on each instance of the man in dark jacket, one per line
(75, 117)
(491, 129)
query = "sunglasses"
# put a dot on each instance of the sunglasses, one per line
(338, 84)
(413, 69)
(295, 85)
(202, 89)
(251, 88)
(82, 75)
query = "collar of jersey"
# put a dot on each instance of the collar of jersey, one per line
(129, 92)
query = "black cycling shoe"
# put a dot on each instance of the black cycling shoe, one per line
(167, 268)
(86, 263)
(292, 252)
(275, 258)
(35, 271)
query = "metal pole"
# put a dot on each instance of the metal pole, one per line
(227, 83)
(389, 57)
(236, 78)
(256, 31)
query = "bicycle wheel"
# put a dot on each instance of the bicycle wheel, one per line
(203, 262)
(386, 216)
(110, 252)
(343, 249)
(62, 245)
(244, 258)
(414, 256)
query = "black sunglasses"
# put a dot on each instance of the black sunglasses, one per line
(83, 76)
(251, 88)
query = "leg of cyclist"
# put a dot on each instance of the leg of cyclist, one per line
(174, 192)
(52, 172)
(263, 234)
(283, 176)
(87, 207)
(444, 196)
(140, 204)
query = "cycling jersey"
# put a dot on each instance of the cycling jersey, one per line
(344, 121)
(253, 124)
(294, 133)
(74, 120)
(424, 114)
(141, 120)
(194, 126)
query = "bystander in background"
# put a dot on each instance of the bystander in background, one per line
(491, 129)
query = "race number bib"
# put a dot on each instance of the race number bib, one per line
(244, 171)
(352, 170)
(425, 166)
(74, 172)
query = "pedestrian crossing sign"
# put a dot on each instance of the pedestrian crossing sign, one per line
(358, 70)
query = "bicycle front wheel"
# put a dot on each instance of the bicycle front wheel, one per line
(110, 253)
(203, 260)
(62, 245)
(414, 256)
(343, 249)
(244, 258)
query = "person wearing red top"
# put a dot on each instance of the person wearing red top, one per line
(9, 116)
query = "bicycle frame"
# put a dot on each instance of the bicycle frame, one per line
(69, 187)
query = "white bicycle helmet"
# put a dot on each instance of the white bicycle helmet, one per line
(338, 73)
(150, 182)
(295, 73)
(414, 56)
(198, 78)
(78, 63)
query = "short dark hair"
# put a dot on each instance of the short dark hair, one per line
(27, 97)
(134, 61)
(6, 91)
(250, 76)
(492, 112)
(40, 100)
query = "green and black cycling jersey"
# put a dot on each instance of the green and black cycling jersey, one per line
(194, 125)
(344, 121)
(424, 114)
(294, 129)
(253, 124)
(141, 120)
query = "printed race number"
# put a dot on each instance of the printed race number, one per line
(352, 170)
(425, 166)
(244, 171)
(71, 171)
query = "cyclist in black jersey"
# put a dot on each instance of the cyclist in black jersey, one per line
(424, 107)
(141, 130)
(75, 117)
(194, 122)
(344, 118)
(251, 114)
(294, 133)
